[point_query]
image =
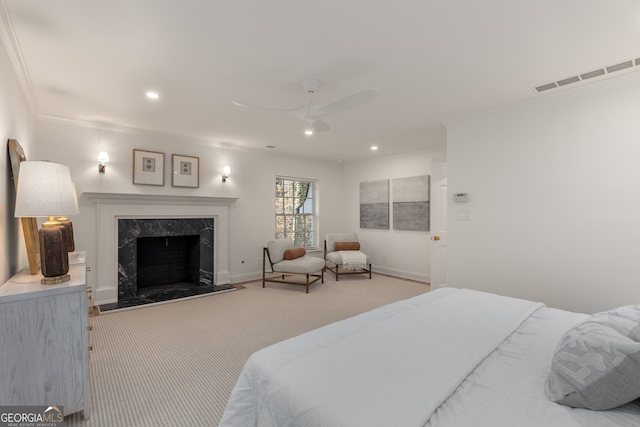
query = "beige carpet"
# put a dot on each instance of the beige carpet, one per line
(175, 364)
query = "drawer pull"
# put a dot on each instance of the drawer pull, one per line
(90, 348)
(90, 328)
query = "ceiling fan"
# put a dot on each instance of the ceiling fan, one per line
(313, 113)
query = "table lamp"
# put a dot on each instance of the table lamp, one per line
(45, 190)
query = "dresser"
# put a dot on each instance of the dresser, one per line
(44, 340)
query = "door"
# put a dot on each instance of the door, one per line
(439, 224)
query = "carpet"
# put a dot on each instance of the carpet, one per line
(175, 364)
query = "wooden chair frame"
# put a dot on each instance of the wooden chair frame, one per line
(336, 269)
(282, 276)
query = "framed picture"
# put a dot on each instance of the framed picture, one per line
(186, 171)
(148, 167)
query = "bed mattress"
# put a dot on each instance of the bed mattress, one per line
(451, 357)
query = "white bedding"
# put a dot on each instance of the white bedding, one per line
(446, 358)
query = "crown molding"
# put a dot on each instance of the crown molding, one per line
(15, 56)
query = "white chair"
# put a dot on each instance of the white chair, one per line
(285, 259)
(338, 244)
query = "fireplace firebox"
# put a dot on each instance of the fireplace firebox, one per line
(164, 258)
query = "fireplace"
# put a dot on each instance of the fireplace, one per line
(160, 259)
(110, 208)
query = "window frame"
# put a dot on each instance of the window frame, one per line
(312, 215)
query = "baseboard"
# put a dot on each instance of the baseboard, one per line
(402, 273)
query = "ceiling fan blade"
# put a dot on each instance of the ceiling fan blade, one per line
(348, 102)
(292, 110)
(319, 126)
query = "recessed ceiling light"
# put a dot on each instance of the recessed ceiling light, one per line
(374, 147)
(152, 95)
(308, 132)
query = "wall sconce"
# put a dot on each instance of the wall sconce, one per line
(103, 158)
(45, 190)
(225, 173)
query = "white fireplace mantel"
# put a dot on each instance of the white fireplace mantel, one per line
(112, 206)
(158, 199)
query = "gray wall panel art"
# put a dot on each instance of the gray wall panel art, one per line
(374, 204)
(411, 203)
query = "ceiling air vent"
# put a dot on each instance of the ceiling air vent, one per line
(568, 81)
(546, 87)
(590, 75)
(619, 67)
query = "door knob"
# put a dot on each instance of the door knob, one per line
(435, 238)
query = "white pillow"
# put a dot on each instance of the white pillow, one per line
(597, 363)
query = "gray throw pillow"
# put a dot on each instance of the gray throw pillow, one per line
(597, 363)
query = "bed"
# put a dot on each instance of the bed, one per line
(450, 357)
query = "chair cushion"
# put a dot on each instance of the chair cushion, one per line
(302, 265)
(290, 254)
(277, 247)
(332, 238)
(347, 246)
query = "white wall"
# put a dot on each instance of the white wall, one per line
(252, 217)
(252, 180)
(554, 190)
(400, 253)
(16, 122)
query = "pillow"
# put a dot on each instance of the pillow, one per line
(290, 254)
(597, 363)
(347, 246)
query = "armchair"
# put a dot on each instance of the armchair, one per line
(285, 260)
(339, 246)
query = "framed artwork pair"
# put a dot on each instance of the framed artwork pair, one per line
(148, 169)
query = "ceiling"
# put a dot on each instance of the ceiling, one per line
(432, 61)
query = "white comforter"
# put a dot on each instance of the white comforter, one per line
(447, 358)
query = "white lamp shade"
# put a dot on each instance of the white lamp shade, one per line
(103, 157)
(226, 171)
(44, 189)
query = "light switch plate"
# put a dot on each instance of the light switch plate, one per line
(463, 214)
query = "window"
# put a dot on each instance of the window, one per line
(296, 217)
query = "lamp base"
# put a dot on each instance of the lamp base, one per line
(68, 225)
(55, 279)
(54, 256)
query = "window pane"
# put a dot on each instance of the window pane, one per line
(295, 211)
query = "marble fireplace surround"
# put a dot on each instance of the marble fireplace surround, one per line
(113, 206)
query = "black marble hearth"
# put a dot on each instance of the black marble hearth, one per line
(162, 293)
(178, 262)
